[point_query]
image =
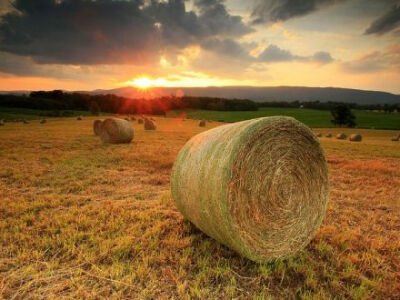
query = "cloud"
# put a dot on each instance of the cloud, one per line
(376, 61)
(271, 11)
(229, 48)
(273, 54)
(387, 22)
(112, 32)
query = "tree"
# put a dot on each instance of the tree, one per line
(342, 115)
(94, 108)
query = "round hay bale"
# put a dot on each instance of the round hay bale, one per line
(97, 126)
(149, 124)
(43, 121)
(202, 123)
(396, 138)
(116, 131)
(140, 121)
(355, 138)
(319, 135)
(25, 121)
(341, 136)
(127, 119)
(1, 122)
(328, 135)
(80, 118)
(133, 119)
(259, 186)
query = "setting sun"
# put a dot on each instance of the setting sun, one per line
(142, 82)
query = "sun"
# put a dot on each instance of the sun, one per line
(142, 82)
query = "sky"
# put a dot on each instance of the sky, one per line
(103, 44)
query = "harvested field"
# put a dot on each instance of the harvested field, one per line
(83, 219)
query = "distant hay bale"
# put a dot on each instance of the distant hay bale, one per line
(355, 138)
(79, 118)
(319, 135)
(259, 186)
(149, 124)
(133, 119)
(328, 135)
(43, 121)
(140, 121)
(202, 123)
(116, 131)
(127, 119)
(25, 121)
(396, 138)
(341, 136)
(1, 122)
(97, 126)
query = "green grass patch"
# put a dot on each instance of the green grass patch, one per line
(311, 117)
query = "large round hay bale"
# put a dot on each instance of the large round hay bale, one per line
(202, 123)
(79, 118)
(116, 131)
(97, 126)
(396, 138)
(43, 121)
(1, 122)
(355, 138)
(25, 121)
(149, 124)
(328, 135)
(259, 186)
(319, 135)
(341, 136)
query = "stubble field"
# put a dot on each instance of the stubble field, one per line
(83, 220)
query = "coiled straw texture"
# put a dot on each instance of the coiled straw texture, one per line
(116, 131)
(259, 187)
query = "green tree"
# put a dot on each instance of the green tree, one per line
(94, 108)
(342, 115)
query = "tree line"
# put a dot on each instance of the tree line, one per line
(58, 100)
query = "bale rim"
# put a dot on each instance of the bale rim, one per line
(149, 124)
(259, 187)
(116, 131)
(97, 126)
(341, 136)
(355, 137)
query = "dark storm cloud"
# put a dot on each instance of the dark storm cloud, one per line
(273, 54)
(229, 48)
(270, 11)
(111, 32)
(389, 21)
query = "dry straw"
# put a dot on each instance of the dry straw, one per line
(355, 138)
(259, 187)
(341, 136)
(116, 131)
(202, 123)
(149, 124)
(97, 126)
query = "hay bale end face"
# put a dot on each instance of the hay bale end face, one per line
(116, 131)
(355, 138)
(341, 136)
(202, 123)
(97, 126)
(259, 187)
(149, 124)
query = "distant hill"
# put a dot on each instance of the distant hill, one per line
(260, 94)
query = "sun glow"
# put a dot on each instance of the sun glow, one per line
(142, 83)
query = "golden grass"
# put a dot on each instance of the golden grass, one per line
(79, 219)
